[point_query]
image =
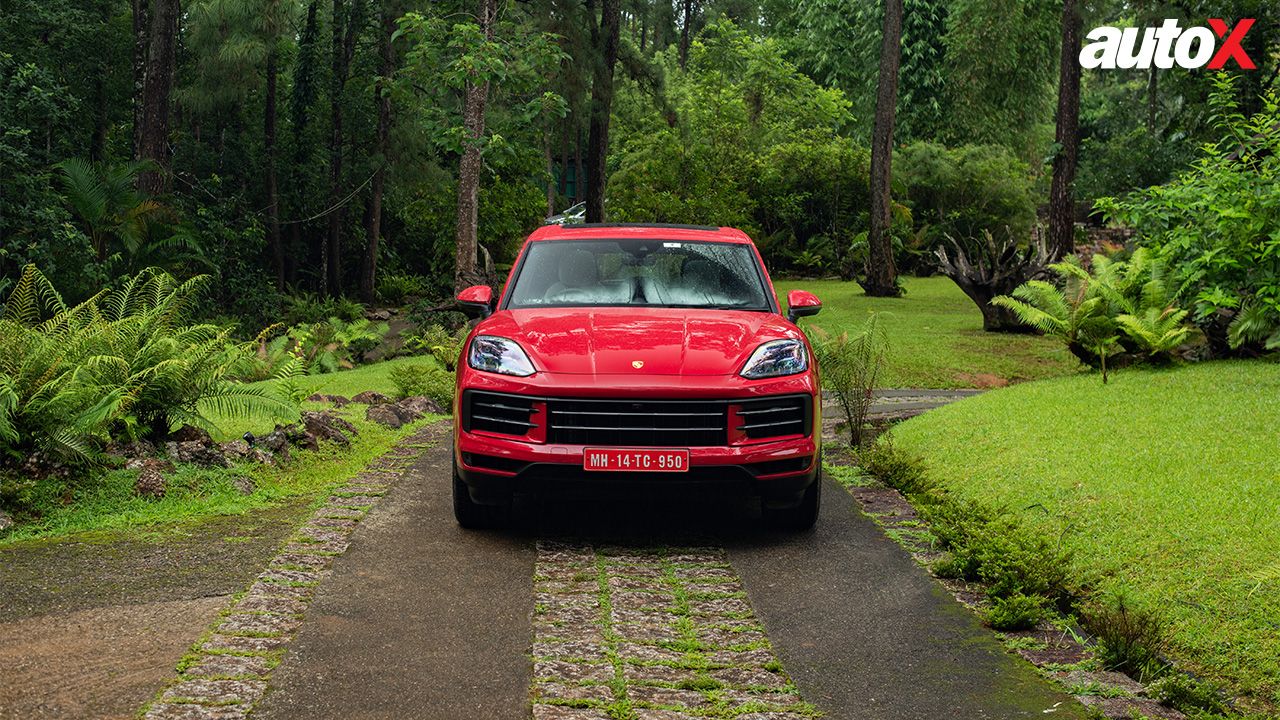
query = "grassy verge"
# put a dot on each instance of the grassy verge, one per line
(1161, 488)
(107, 502)
(935, 336)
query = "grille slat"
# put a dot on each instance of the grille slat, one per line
(651, 423)
(774, 417)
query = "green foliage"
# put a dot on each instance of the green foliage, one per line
(440, 343)
(305, 307)
(1015, 612)
(1130, 639)
(1188, 694)
(896, 468)
(1218, 224)
(1119, 307)
(851, 365)
(396, 289)
(986, 544)
(322, 347)
(961, 192)
(428, 380)
(748, 141)
(123, 364)
(1150, 487)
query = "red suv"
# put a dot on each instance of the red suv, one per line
(637, 354)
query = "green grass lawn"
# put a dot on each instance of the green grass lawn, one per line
(935, 335)
(1164, 484)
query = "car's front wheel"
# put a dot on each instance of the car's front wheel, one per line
(801, 516)
(471, 514)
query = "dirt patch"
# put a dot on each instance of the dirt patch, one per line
(102, 569)
(982, 380)
(98, 663)
(91, 625)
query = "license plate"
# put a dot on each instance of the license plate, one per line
(632, 460)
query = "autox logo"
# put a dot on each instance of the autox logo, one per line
(1167, 45)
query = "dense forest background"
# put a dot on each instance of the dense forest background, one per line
(351, 147)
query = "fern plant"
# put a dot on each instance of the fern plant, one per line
(122, 364)
(1122, 308)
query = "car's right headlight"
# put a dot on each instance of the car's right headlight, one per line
(499, 355)
(776, 359)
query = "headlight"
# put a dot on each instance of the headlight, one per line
(775, 359)
(498, 355)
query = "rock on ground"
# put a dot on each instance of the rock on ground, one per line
(151, 482)
(369, 397)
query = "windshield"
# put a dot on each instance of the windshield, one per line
(645, 273)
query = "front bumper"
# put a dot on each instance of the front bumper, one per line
(779, 471)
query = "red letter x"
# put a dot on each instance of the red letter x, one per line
(1231, 45)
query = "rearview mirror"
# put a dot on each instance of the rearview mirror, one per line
(802, 304)
(476, 301)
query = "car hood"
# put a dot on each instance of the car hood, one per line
(663, 341)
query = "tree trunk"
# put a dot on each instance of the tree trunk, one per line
(465, 272)
(273, 190)
(564, 158)
(1153, 88)
(1062, 211)
(346, 26)
(601, 107)
(373, 231)
(579, 170)
(551, 173)
(881, 276)
(685, 32)
(141, 45)
(153, 140)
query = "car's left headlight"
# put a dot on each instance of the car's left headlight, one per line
(499, 355)
(776, 358)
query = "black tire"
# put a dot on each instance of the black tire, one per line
(800, 517)
(472, 515)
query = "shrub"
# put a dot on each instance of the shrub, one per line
(321, 347)
(894, 467)
(988, 545)
(850, 365)
(966, 191)
(414, 380)
(1015, 611)
(443, 345)
(395, 289)
(1121, 308)
(1130, 639)
(122, 364)
(304, 307)
(1218, 225)
(1188, 694)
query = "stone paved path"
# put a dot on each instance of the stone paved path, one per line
(663, 634)
(649, 609)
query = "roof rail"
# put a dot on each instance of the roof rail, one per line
(712, 228)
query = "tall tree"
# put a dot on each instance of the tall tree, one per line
(141, 45)
(604, 37)
(161, 66)
(881, 276)
(475, 97)
(1062, 210)
(382, 95)
(274, 24)
(347, 20)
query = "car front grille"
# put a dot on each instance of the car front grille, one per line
(645, 423)
(502, 414)
(638, 423)
(773, 417)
